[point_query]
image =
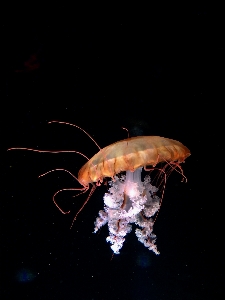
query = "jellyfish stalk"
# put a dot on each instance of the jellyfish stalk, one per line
(129, 201)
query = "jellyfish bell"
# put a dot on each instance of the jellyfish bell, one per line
(129, 199)
(130, 154)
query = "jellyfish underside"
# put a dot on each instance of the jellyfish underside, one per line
(129, 201)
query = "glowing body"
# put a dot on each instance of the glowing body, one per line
(129, 200)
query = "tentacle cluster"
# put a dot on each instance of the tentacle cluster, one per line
(129, 201)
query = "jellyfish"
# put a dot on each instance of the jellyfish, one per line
(129, 200)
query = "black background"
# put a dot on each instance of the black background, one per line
(153, 71)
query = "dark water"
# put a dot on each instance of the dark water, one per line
(159, 74)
